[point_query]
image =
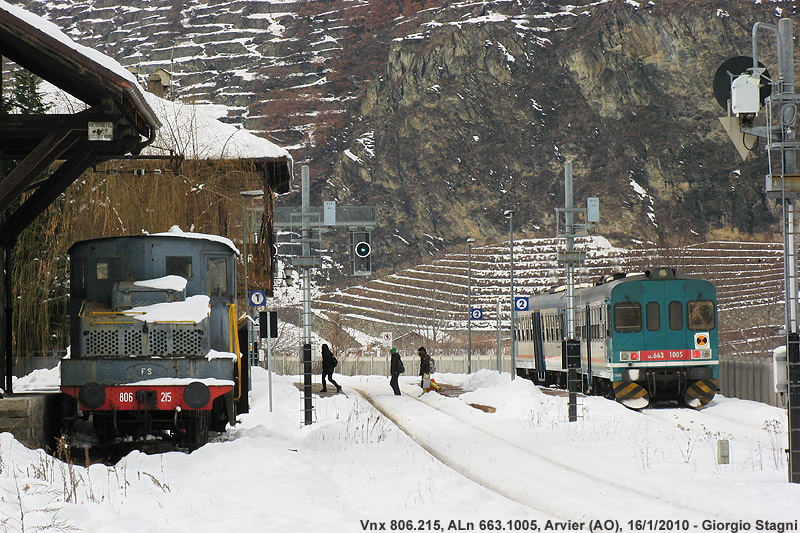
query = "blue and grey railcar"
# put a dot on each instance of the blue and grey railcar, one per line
(154, 338)
(644, 338)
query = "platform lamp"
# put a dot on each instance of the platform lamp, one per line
(250, 200)
(509, 214)
(470, 242)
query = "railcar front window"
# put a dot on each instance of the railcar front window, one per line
(653, 316)
(700, 315)
(628, 317)
(675, 316)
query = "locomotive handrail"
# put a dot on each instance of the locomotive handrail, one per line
(234, 345)
(93, 313)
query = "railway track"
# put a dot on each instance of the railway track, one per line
(484, 455)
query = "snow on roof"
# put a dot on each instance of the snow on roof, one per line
(193, 309)
(196, 132)
(175, 283)
(176, 231)
(54, 32)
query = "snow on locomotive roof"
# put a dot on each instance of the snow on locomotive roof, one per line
(193, 309)
(175, 283)
(176, 231)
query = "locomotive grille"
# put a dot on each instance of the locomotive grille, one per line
(158, 342)
(188, 341)
(132, 340)
(102, 342)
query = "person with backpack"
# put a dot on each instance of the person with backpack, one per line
(395, 369)
(329, 362)
(425, 370)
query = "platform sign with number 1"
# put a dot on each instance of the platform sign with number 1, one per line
(258, 298)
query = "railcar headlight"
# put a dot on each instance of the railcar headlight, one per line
(628, 356)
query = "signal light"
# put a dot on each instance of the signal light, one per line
(363, 249)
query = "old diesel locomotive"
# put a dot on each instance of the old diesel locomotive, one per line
(643, 338)
(154, 337)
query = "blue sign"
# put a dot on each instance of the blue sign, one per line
(476, 313)
(520, 303)
(258, 298)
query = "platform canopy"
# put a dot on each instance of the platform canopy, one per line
(118, 120)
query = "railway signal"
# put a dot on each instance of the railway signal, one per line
(760, 107)
(306, 224)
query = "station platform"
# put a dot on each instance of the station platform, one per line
(33, 418)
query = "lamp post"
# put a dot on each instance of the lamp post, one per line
(509, 214)
(249, 199)
(470, 241)
(249, 203)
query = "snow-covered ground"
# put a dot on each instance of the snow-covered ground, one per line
(354, 469)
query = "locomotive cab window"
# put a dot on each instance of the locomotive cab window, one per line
(106, 269)
(178, 266)
(217, 277)
(700, 315)
(653, 311)
(628, 317)
(675, 316)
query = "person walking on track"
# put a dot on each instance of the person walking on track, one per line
(329, 362)
(396, 369)
(427, 384)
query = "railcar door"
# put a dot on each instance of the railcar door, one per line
(654, 330)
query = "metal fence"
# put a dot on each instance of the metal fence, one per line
(379, 365)
(749, 378)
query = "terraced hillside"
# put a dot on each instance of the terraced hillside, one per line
(430, 300)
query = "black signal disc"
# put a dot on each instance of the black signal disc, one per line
(737, 65)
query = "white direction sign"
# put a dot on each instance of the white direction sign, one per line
(520, 303)
(476, 313)
(386, 338)
(258, 298)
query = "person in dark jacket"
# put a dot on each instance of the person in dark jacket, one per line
(328, 364)
(425, 369)
(396, 368)
(424, 362)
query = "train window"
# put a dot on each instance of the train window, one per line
(106, 269)
(653, 311)
(102, 269)
(628, 317)
(675, 316)
(178, 266)
(700, 315)
(217, 277)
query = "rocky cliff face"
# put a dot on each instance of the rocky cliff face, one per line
(446, 113)
(471, 119)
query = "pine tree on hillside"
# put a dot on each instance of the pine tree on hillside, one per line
(25, 97)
